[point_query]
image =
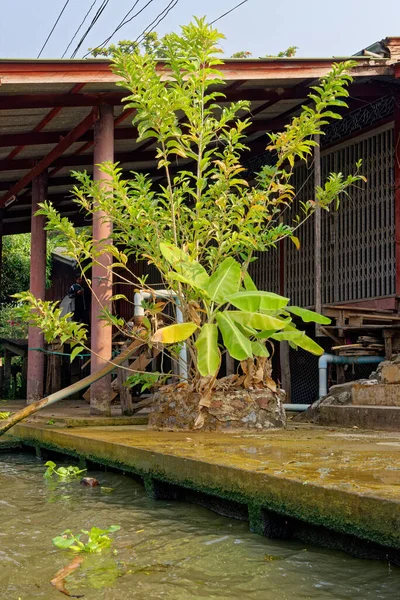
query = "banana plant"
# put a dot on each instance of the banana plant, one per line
(230, 308)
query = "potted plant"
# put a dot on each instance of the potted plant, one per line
(200, 226)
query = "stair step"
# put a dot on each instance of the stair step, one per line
(364, 417)
(382, 394)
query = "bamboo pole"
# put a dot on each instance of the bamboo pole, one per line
(71, 389)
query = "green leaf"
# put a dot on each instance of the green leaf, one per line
(63, 542)
(174, 333)
(75, 352)
(225, 281)
(236, 343)
(248, 283)
(253, 301)
(308, 316)
(259, 349)
(258, 320)
(208, 354)
(193, 272)
(299, 338)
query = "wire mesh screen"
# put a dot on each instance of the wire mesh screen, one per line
(305, 376)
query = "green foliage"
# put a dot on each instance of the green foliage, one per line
(95, 541)
(69, 472)
(260, 316)
(145, 380)
(16, 265)
(201, 226)
(46, 315)
(5, 415)
(288, 53)
(11, 325)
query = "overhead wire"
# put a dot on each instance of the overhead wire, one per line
(160, 17)
(228, 12)
(122, 23)
(53, 28)
(79, 28)
(96, 17)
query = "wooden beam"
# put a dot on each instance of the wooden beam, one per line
(33, 138)
(45, 121)
(23, 101)
(27, 72)
(72, 137)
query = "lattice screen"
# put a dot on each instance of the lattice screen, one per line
(358, 249)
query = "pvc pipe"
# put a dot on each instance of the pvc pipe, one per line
(326, 359)
(139, 312)
(296, 407)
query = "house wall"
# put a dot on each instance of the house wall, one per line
(358, 239)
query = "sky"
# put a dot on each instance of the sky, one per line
(318, 27)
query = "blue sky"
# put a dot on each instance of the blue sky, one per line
(317, 27)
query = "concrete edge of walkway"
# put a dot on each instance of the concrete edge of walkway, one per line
(363, 517)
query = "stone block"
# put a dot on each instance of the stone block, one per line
(390, 372)
(376, 395)
(363, 417)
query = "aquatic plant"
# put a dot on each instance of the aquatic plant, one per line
(5, 415)
(96, 540)
(69, 472)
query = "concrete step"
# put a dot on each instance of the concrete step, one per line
(364, 417)
(376, 395)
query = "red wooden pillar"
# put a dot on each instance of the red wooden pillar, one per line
(397, 193)
(36, 359)
(101, 335)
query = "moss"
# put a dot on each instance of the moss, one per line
(271, 499)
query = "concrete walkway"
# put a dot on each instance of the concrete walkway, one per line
(345, 480)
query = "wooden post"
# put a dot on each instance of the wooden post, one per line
(101, 335)
(1, 241)
(36, 359)
(284, 349)
(317, 236)
(229, 364)
(7, 371)
(125, 395)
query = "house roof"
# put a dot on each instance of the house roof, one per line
(48, 107)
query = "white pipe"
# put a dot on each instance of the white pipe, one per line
(325, 359)
(139, 312)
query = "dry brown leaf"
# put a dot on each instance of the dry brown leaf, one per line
(58, 580)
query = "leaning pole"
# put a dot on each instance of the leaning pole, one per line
(33, 408)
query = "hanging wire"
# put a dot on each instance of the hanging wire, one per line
(96, 17)
(157, 20)
(53, 28)
(122, 23)
(228, 12)
(79, 28)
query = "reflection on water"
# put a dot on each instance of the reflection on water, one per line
(171, 551)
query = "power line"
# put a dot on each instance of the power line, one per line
(160, 17)
(53, 28)
(96, 17)
(228, 12)
(122, 23)
(79, 28)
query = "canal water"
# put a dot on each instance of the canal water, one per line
(165, 550)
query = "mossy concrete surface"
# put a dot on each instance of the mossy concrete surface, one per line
(345, 480)
(8, 442)
(75, 413)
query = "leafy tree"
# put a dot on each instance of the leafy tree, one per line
(289, 53)
(203, 224)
